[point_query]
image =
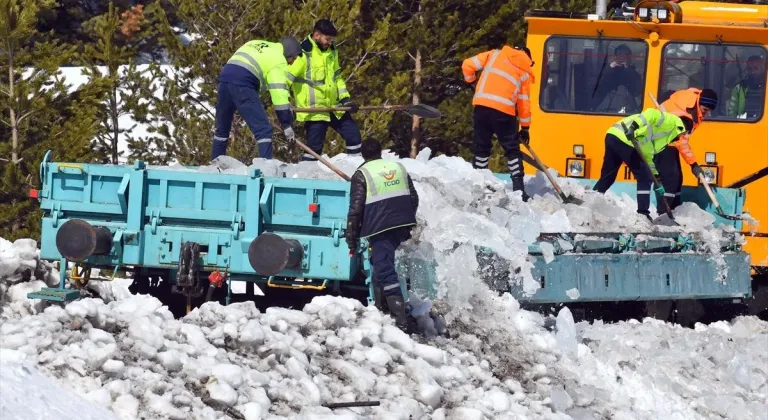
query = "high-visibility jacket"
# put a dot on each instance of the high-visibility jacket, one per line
(656, 131)
(315, 81)
(505, 81)
(679, 103)
(745, 99)
(388, 200)
(265, 60)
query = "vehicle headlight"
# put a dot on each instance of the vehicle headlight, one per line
(575, 167)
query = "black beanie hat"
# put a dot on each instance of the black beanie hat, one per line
(708, 98)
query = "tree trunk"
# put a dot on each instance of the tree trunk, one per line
(115, 128)
(14, 123)
(416, 124)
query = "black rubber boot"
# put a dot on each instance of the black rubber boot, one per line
(518, 185)
(396, 306)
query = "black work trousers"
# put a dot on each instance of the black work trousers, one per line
(616, 153)
(383, 246)
(486, 123)
(671, 173)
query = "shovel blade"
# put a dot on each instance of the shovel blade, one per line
(424, 111)
(574, 200)
(665, 220)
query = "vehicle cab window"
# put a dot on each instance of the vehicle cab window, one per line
(736, 72)
(593, 75)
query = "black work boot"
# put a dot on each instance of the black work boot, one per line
(518, 185)
(378, 298)
(396, 306)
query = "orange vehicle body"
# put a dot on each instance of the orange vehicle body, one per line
(702, 45)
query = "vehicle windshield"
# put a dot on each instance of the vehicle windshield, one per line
(593, 75)
(737, 73)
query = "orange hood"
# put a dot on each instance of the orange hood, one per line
(520, 60)
(682, 100)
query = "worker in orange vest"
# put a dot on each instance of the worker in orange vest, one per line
(501, 101)
(694, 104)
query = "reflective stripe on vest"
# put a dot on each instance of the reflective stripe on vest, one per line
(384, 180)
(491, 70)
(251, 65)
(480, 93)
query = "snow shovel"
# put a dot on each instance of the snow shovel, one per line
(719, 209)
(420, 110)
(324, 161)
(566, 199)
(668, 210)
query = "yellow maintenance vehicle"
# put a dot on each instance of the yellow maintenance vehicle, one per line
(660, 47)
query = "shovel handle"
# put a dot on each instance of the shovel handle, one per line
(323, 160)
(709, 191)
(346, 108)
(318, 157)
(546, 173)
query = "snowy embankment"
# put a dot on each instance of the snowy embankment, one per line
(130, 355)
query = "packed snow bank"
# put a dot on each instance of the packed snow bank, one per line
(133, 357)
(25, 394)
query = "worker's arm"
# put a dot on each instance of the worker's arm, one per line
(414, 194)
(340, 84)
(357, 193)
(296, 70)
(277, 83)
(683, 146)
(524, 102)
(474, 64)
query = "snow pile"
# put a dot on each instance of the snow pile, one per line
(462, 208)
(133, 357)
(22, 272)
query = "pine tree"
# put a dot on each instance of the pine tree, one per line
(38, 112)
(111, 61)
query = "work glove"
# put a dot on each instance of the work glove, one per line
(290, 135)
(348, 103)
(659, 189)
(696, 169)
(524, 136)
(630, 131)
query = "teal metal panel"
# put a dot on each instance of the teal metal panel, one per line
(601, 277)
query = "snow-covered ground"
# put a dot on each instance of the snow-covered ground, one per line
(132, 357)
(129, 355)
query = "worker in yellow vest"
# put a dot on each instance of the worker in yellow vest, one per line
(315, 81)
(382, 209)
(256, 67)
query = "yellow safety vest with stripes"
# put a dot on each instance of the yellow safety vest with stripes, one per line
(656, 131)
(265, 60)
(315, 81)
(388, 198)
